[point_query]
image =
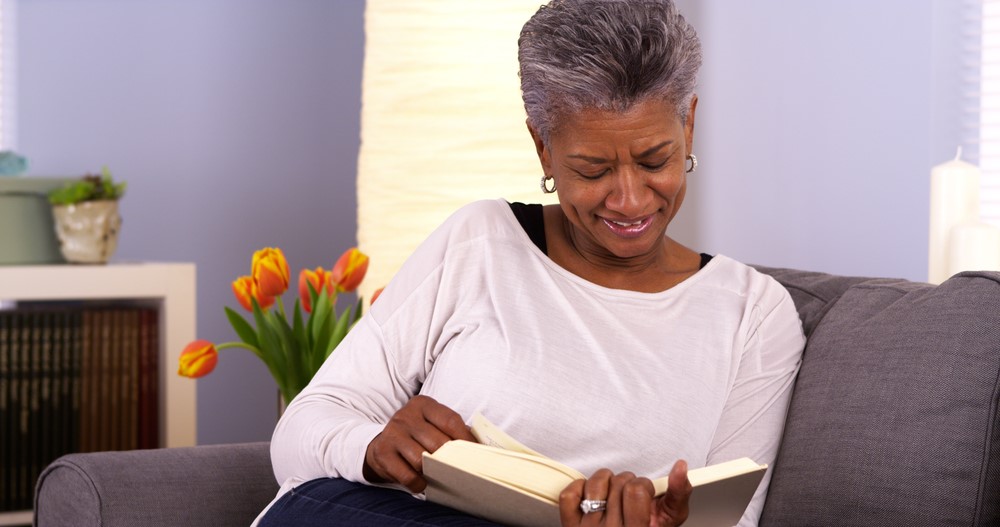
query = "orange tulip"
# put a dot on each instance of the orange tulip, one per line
(246, 288)
(270, 270)
(320, 280)
(375, 295)
(349, 270)
(198, 359)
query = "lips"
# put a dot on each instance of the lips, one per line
(632, 228)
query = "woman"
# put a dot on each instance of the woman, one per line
(580, 328)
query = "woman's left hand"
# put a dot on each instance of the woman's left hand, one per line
(629, 500)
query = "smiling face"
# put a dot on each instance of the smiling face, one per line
(620, 177)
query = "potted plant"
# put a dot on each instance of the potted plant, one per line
(86, 217)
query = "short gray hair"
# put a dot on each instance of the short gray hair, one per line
(608, 54)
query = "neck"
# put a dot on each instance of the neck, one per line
(666, 265)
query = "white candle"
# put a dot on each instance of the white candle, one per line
(954, 201)
(973, 246)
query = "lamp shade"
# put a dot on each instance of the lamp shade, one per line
(442, 122)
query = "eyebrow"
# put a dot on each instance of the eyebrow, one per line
(644, 153)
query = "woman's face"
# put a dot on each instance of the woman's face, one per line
(619, 176)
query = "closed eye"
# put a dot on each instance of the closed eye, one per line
(592, 176)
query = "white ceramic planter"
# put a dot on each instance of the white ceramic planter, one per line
(88, 231)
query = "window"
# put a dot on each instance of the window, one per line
(987, 100)
(8, 70)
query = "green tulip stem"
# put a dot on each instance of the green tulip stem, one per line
(281, 307)
(243, 345)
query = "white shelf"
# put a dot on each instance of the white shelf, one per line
(172, 285)
(16, 518)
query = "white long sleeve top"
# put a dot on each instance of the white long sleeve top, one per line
(480, 319)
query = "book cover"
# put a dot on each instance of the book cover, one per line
(112, 404)
(87, 416)
(501, 480)
(5, 445)
(149, 398)
(25, 445)
(130, 379)
(73, 339)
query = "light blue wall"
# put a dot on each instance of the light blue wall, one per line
(236, 125)
(818, 123)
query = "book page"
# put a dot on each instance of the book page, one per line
(537, 475)
(490, 434)
(720, 471)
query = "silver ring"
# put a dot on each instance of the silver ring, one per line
(589, 506)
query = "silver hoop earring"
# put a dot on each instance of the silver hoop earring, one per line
(545, 187)
(694, 163)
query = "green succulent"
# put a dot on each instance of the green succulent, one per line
(91, 187)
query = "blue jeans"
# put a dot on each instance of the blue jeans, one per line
(333, 502)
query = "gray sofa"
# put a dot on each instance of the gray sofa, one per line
(894, 421)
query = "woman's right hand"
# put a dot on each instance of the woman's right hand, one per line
(422, 425)
(626, 501)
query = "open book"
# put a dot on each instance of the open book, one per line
(506, 482)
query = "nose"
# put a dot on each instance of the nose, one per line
(629, 193)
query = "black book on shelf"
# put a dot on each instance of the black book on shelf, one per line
(5, 412)
(72, 362)
(149, 436)
(24, 419)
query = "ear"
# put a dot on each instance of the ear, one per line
(540, 148)
(689, 124)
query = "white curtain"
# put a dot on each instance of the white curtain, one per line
(442, 122)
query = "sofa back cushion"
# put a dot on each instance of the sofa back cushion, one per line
(894, 418)
(813, 293)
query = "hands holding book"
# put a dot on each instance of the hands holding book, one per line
(423, 425)
(629, 501)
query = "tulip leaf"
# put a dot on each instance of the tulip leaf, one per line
(269, 346)
(313, 299)
(339, 332)
(243, 328)
(298, 328)
(358, 311)
(286, 340)
(322, 337)
(322, 311)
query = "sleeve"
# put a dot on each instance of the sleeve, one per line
(754, 414)
(378, 367)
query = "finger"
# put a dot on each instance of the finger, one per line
(637, 502)
(391, 466)
(616, 485)
(400, 470)
(672, 507)
(596, 488)
(569, 503)
(448, 421)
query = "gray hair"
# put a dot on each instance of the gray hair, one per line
(608, 54)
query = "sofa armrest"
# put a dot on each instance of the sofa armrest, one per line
(213, 485)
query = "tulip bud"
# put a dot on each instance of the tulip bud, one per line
(270, 270)
(349, 270)
(198, 359)
(375, 295)
(245, 288)
(320, 280)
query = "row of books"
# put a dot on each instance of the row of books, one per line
(73, 378)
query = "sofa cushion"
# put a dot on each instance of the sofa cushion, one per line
(894, 418)
(216, 485)
(813, 293)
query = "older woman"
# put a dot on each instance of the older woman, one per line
(582, 328)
